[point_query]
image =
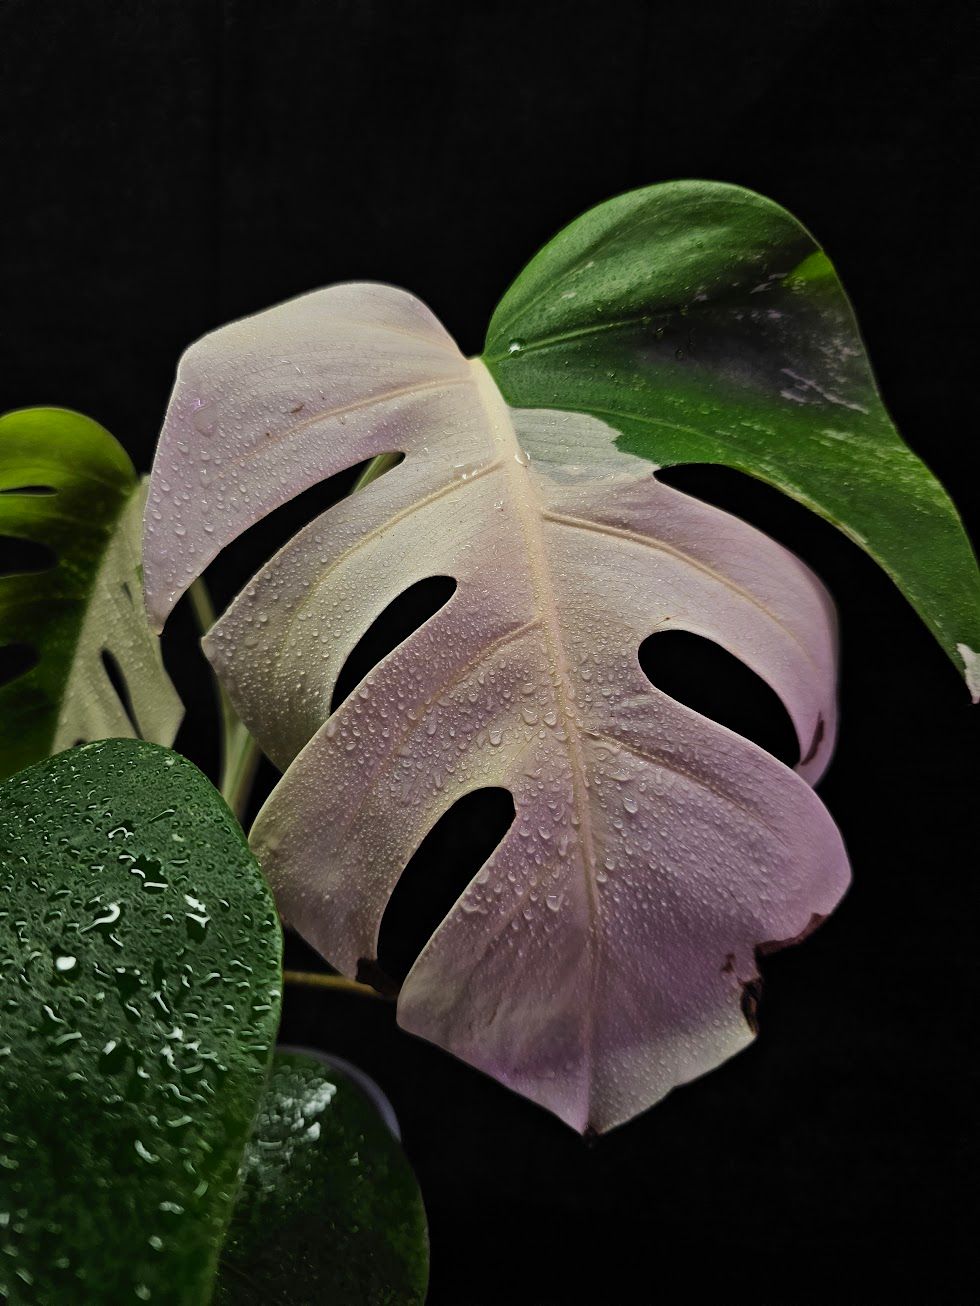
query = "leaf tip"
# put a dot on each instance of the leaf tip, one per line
(971, 670)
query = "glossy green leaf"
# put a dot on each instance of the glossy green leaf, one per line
(706, 325)
(66, 484)
(139, 991)
(329, 1210)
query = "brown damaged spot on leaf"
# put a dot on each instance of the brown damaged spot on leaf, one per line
(752, 988)
(751, 997)
(775, 945)
(817, 740)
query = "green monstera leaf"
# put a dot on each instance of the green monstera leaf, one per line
(66, 484)
(139, 990)
(704, 324)
(329, 1210)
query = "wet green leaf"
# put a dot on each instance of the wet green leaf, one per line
(329, 1209)
(68, 486)
(139, 999)
(706, 325)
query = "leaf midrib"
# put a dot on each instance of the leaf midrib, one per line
(531, 516)
(574, 333)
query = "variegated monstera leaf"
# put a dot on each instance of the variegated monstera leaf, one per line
(599, 957)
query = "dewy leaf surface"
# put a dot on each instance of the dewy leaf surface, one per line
(706, 325)
(328, 1209)
(139, 990)
(65, 483)
(599, 957)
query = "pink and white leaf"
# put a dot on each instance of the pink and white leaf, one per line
(600, 956)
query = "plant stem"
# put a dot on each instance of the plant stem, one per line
(239, 752)
(314, 980)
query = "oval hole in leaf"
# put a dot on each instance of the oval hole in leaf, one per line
(118, 681)
(704, 676)
(16, 660)
(443, 865)
(392, 627)
(19, 556)
(257, 544)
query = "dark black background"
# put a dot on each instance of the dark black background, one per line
(167, 166)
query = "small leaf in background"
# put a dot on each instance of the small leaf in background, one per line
(76, 626)
(139, 992)
(706, 325)
(329, 1210)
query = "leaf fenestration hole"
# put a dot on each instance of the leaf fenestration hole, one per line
(16, 660)
(702, 675)
(442, 866)
(20, 557)
(118, 681)
(411, 609)
(256, 545)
